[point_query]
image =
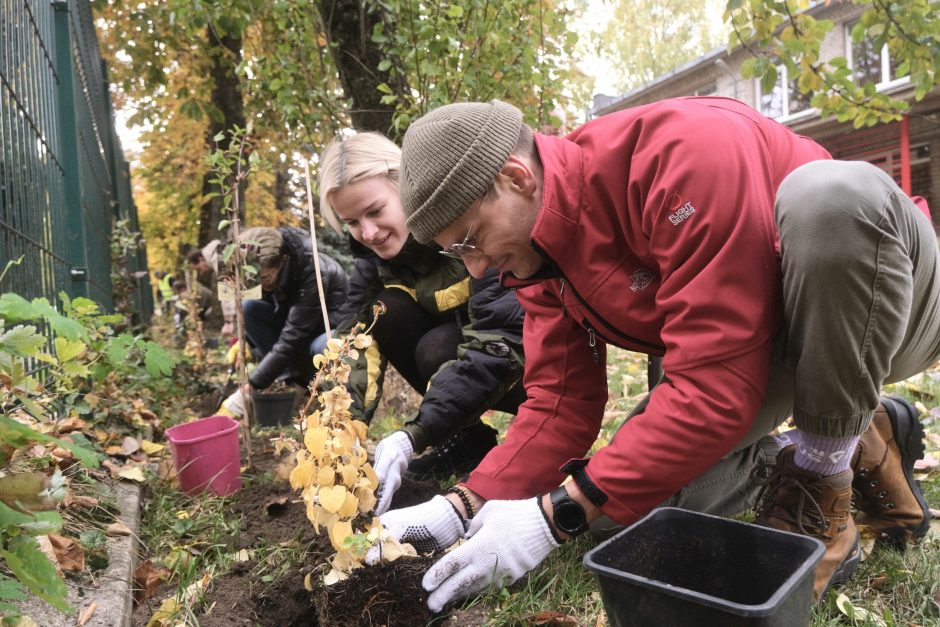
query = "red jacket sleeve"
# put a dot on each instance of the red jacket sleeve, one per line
(560, 419)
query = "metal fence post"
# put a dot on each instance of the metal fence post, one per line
(72, 197)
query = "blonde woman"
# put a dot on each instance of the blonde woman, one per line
(456, 340)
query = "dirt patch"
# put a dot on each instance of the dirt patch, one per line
(271, 514)
(386, 594)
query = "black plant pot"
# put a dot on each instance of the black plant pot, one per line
(273, 409)
(676, 567)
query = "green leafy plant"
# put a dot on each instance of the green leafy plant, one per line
(49, 361)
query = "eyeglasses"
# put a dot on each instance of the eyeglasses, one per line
(466, 248)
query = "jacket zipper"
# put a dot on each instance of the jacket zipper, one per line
(591, 331)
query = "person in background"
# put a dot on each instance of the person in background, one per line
(205, 263)
(205, 306)
(285, 328)
(456, 340)
(165, 293)
(702, 231)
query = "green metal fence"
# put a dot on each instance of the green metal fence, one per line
(63, 176)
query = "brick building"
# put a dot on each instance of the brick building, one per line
(903, 149)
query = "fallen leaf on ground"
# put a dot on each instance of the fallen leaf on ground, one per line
(857, 613)
(164, 613)
(151, 448)
(69, 554)
(866, 541)
(132, 473)
(117, 528)
(113, 468)
(129, 446)
(86, 615)
(79, 500)
(46, 547)
(24, 490)
(242, 556)
(73, 423)
(147, 578)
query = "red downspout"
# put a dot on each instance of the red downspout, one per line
(905, 156)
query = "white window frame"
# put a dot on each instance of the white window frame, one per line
(882, 84)
(783, 75)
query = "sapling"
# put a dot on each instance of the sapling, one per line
(336, 480)
(231, 168)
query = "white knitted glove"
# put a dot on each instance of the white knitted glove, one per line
(391, 458)
(507, 540)
(428, 527)
(234, 405)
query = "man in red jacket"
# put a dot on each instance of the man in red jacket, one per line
(772, 280)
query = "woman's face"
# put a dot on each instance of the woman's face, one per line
(371, 210)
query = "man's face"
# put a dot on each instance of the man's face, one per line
(269, 275)
(201, 266)
(499, 226)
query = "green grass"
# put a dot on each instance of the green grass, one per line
(896, 587)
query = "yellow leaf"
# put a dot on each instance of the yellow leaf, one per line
(326, 476)
(350, 474)
(315, 440)
(319, 361)
(308, 583)
(302, 474)
(370, 476)
(167, 610)
(367, 500)
(362, 341)
(133, 474)
(151, 448)
(350, 506)
(339, 531)
(332, 498)
(334, 576)
(362, 429)
(334, 344)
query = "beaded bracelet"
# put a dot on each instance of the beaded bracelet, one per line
(464, 495)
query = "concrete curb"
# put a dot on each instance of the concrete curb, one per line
(114, 594)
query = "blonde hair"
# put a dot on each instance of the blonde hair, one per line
(350, 160)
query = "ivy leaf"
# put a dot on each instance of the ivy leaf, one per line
(33, 568)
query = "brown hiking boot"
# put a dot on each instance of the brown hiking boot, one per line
(888, 499)
(798, 501)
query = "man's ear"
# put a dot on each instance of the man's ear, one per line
(519, 175)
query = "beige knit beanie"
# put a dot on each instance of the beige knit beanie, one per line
(264, 244)
(450, 157)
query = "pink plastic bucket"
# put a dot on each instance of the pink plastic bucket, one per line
(206, 455)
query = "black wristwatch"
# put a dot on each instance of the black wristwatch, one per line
(567, 514)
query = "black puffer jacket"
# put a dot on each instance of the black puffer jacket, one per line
(489, 359)
(297, 290)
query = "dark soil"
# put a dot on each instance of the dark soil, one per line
(272, 514)
(386, 594)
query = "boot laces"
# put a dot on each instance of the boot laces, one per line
(776, 499)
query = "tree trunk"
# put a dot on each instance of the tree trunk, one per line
(349, 28)
(228, 101)
(282, 191)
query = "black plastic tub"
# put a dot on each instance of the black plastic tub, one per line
(273, 409)
(676, 567)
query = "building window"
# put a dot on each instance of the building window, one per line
(783, 102)
(869, 64)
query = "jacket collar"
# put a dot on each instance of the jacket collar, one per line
(562, 194)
